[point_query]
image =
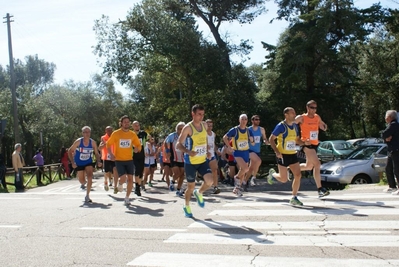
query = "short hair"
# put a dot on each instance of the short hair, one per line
(108, 127)
(17, 145)
(182, 123)
(209, 120)
(254, 116)
(310, 102)
(287, 109)
(86, 127)
(197, 107)
(393, 114)
(242, 116)
(124, 117)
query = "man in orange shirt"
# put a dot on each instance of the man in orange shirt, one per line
(123, 140)
(109, 165)
(310, 124)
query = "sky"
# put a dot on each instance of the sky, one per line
(61, 32)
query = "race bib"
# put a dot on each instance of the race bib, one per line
(290, 145)
(84, 157)
(125, 143)
(211, 148)
(201, 150)
(108, 157)
(257, 139)
(242, 145)
(314, 135)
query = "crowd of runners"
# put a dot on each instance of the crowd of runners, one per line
(130, 156)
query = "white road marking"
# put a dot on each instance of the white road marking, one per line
(315, 204)
(133, 229)
(10, 226)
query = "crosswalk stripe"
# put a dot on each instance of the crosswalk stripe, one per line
(338, 240)
(315, 204)
(133, 229)
(305, 225)
(10, 226)
(267, 196)
(305, 211)
(199, 260)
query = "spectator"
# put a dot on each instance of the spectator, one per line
(65, 162)
(3, 170)
(39, 161)
(391, 138)
(18, 163)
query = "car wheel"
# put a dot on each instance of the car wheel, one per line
(361, 179)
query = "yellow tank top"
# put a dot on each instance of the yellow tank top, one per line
(198, 143)
(286, 141)
(241, 140)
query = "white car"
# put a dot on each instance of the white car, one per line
(360, 167)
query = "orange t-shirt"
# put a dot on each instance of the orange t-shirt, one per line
(310, 129)
(104, 150)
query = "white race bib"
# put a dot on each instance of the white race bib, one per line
(242, 145)
(125, 143)
(290, 145)
(314, 135)
(257, 139)
(108, 157)
(84, 156)
(201, 150)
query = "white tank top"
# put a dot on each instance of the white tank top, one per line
(211, 143)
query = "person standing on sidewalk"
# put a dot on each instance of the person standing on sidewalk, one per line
(391, 138)
(39, 161)
(18, 163)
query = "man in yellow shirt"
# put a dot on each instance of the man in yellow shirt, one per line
(123, 141)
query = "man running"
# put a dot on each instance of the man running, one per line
(123, 140)
(259, 134)
(287, 135)
(176, 159)
(108, 164)
(81, 155)
(241, 137)
(138, 157)
(193, 143)
(310, 123)
(212, 149)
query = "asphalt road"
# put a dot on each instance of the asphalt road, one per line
(52, 226)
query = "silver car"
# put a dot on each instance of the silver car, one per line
(360, 167)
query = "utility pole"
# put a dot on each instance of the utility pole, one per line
(12, 76)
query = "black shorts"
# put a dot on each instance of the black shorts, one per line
(109, 165)
(177, 164)
(311, 147)
(139, 167)
(287, 160)
(232, 163)
(82, 168)
(166, 164)
(124, 167)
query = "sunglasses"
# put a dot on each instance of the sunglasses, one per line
(313, 107)
(256, 119)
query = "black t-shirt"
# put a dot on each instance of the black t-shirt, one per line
(142, 135)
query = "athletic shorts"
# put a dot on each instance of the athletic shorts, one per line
(177, 164)
(242, 154)
(139, 167)
(209, 160)
(82, 168)
(311, 147)
(109, 165)
(192, 169)
(232, 163)
(154, 165)
(124, 167)
(166, 164)
(257, 153)
(287, 160)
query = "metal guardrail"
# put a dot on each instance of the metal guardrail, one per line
(50, 172)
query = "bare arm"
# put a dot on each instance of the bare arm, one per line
(272, 141)
(265, 140)
(98, 156)
(71, 150)
(322, 125)
(182, 139)
(299, 119)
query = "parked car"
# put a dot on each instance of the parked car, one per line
(357, 168)
(335, 149)
(365, 141)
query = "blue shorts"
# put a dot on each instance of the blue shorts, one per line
(257, 153)
(124, 167)
(242, 154)
(192, 169)
(209, 160)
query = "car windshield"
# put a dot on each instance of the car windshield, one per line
(363, 152)
(343, 146)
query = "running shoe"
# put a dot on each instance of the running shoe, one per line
(216, 190)
(294, 201)
(172, 187)
(137, 190)
(199, 198)
(253, 181)
(323, 192)
(179, 193)
(396, 192)
(237, 191)
(106, 187)
(88, 200)
(115, 190)
(270, 179)
(127, 202)
(237, 181)
(150, 184)
(120, 188)
(187, 211)
(82, 186)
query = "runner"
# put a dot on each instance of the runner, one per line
(287, 135)
(241, 137)
(138, 158)
(123, 140)
(255, 161)
(166, 164)
(212, 149)
(81, 155)
(176, 159)
(150, 163)
(193, 143)
(108, 164)
(310, 123)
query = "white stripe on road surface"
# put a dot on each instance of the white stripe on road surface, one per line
(306, 211)
(19, 198)
(314, 204)
(294, 240)
(199, 260)
(332, 196)
(308, 225)
(133, 229)
(10, 226)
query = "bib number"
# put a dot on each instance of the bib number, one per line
(257, 139)
(108, 157)
(84, 156)
(124, 143)
(290, 146)
(314, 135)
(242, 145)
(201, 150)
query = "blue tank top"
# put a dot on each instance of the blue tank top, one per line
(84, 154)
(257, 138)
